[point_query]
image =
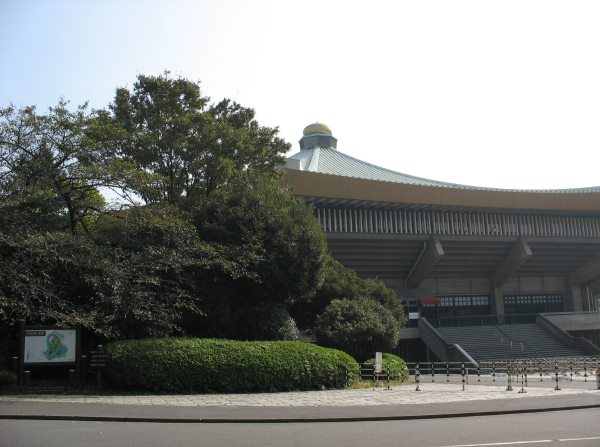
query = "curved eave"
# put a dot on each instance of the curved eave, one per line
(312, 184)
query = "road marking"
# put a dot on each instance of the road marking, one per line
(538, 441)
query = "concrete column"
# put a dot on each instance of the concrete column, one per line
(515, 258)
(497, 300)
(430, 255)
(576, 304)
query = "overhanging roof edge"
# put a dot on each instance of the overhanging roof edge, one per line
(315, 184)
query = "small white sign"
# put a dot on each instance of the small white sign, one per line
(378, 362)
(413, 315)
(50, 345)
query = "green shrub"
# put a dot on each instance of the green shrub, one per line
(393, 365)
(7, 378)
(342, 283)
(346, 323)
(211, 365)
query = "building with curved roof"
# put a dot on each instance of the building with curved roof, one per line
(457, 254)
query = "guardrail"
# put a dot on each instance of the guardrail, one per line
(509, 370)
(482, 320)
(369, 373)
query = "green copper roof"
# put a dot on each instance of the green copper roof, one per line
(333, 162)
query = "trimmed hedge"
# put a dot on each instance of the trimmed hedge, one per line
(210, 365)
(395, 366)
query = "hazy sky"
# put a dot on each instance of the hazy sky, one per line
(492, 93)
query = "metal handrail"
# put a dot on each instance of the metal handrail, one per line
(465, 354)
(482, 320)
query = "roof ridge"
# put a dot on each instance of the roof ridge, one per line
(391, 171)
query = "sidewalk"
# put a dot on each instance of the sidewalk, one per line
(403, 402)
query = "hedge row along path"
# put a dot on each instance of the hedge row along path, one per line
(183, 365)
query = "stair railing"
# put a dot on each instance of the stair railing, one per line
(465, 354)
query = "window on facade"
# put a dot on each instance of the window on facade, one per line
(529, 303)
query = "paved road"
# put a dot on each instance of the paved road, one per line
(575, 428)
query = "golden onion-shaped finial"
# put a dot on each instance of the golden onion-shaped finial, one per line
(316, 128)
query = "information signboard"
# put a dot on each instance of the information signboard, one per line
(50, 346)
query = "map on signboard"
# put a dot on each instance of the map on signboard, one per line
(50, 345)
(54, 346)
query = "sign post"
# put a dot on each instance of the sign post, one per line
(377, 369)
(97, 362)
(378, 362)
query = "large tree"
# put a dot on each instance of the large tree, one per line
(51, 168)
(141, 271)
(218, 247)
(185, 146)
(284, 250)
(217, 238)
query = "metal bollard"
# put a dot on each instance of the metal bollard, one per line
(463, 372)
(17, 370)
(433, 371)
(374, 377)
(447, 372)
(584, 371)
(509, 374)
(83, 369)
(522, 390)
(478, 373)
(571, 370)
(417, 377)
(557, 388)
(72, 377)
(493, 372)
(26, 378)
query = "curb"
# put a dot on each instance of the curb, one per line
(288, 420)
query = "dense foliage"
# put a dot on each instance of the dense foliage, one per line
(346, 323)
(340, 282)
(203, 240)
(205, 365)
(186, 147)
(137, 276)
(7, 378)
(286, 252)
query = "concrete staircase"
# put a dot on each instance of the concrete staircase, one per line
(507, 341)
